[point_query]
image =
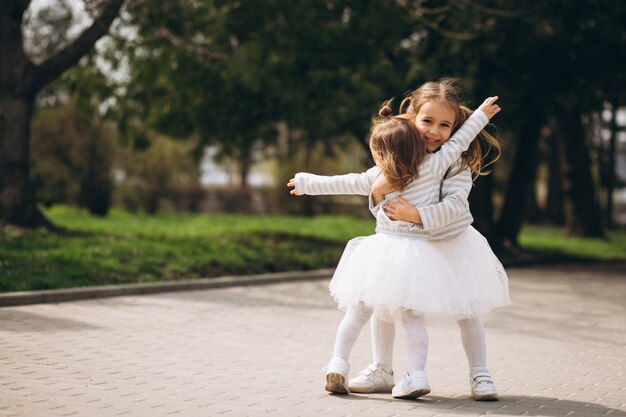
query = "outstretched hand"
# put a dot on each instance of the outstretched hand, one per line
(292, 183)
(489, 106)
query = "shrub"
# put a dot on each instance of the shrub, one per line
(72, 155)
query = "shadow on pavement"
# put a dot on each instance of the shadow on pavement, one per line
(526, 405)
(24, 321)
(514, 405)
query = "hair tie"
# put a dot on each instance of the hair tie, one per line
(404, 106)
(385, 111)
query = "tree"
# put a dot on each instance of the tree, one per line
(21, 80)
(231, 72)
(551, 63)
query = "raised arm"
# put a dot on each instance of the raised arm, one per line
(311, 184)
(458, 143)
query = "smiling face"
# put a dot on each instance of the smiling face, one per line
(435, 121)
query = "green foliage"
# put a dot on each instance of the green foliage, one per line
(148, 176)
(72, 156)
(229, 72)
(542, 56)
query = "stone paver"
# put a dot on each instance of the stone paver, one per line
(559, 350)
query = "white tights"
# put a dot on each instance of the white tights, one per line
(472, 337)
(356, 317)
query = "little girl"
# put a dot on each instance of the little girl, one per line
(396, 272)
(435, 108)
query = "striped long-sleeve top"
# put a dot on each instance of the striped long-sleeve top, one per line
(440, 220)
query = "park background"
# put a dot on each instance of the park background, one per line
(152, 140)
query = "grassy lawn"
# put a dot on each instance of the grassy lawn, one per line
(125, 247)
(554, 241)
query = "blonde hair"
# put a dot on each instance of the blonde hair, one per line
(445, 91)
(397, 147)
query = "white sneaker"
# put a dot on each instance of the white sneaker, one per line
(337, 373)
(374, 378)
(412, 386)
(482, 386)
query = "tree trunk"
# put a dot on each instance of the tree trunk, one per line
(533, 213)
(17, 202)
(554, 203)
(521, 179)
(481, 206)
(244, 161)
(610, 168)
(20, 81)
(582, 211)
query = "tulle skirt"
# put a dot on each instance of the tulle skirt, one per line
(391, 273)
(484, 280)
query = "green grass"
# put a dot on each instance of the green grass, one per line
(124, 247)
(554, 241)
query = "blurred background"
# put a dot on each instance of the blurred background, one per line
(211, 106)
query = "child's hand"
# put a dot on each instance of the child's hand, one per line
(292, 183)
(402, 211)
(381, 187)
(489, 106)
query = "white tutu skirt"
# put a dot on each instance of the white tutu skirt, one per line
(484, 281)
(394, 273)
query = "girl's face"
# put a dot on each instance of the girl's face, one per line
(435, 121)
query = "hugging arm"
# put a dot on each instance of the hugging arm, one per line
(452, 209)
(453, 204)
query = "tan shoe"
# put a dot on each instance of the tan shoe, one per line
(337, 373)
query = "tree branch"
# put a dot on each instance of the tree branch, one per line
(433, 16)
(460, 36)
(434, 10)
(53, 67)
(421, 9)
(491, 10)
(202, 50)
(419, 12)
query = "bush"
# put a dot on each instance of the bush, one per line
(72, 155)
(165, 171)
(318, 159)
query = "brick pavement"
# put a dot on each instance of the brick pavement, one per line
(559, 350)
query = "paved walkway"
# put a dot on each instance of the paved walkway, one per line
(560, 350)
